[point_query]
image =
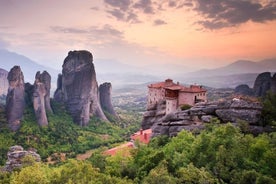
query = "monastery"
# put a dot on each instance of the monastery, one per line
(175, 94)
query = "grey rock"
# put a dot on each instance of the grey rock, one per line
(80, 87)
(207, 118)
(244, 89)
(273, 84)
(39, 100)
(45, 78)
(262, 84)
(105, 98)
(243, 104)
(15, 102)
(16, 154)
(154, 115)
(233, 115)
(58, 95)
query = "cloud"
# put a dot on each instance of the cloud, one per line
(145, 5)
(100, 35)
(128, 10)
(60, 29)
(159, 22)
(218, 14)
(121, 4)
(101, 30)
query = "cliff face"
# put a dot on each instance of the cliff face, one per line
(15, 101)
(262, 84)
(105, 98)
(79, 87)
(4, 83)
(41, 97)
(195, 118)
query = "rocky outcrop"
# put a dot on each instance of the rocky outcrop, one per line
(195, 118)
(273, 84)
(15, 102)
(79, 87)
(41, 97)
(153, 115)
(16, 157)
(45, 79)
(262, 84)
(4, 83)
(244, 89)
(105, 98)
(58, 96)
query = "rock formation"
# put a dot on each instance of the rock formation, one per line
(273, 84)
(193, 119)
(45, 78)
(244, 89)
(58, 96)
(16, 157)
(105, 98)
(262, 84)
(41, 97)
(80, 88)
(4, 83)
(15, 102)
(153, 114)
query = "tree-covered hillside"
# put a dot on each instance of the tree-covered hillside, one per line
(220, 154)
(63, 136)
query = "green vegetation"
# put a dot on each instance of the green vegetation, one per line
(219, 154)
(63, 136)
(269, 109)
(185, 107)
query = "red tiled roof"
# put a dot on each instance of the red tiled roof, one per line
(172, 86)
(157, 85)
(143, 136)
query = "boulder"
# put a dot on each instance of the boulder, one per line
(15, 102)
(16, 155)
(105, 98)
(80, 87)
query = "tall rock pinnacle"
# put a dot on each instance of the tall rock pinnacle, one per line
(105, 98)
(41, 97)
(15, 98)
(80, 88)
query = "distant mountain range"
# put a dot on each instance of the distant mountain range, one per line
(232, 75)
(121, 75)
(29, 67)
(239, 67)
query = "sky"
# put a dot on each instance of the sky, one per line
(188, 33)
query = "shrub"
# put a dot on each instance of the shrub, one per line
(185, 107)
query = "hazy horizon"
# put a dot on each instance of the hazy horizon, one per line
(188, 33)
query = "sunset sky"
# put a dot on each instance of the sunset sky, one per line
(192, 33)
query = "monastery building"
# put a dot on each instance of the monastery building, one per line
(175, 94)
